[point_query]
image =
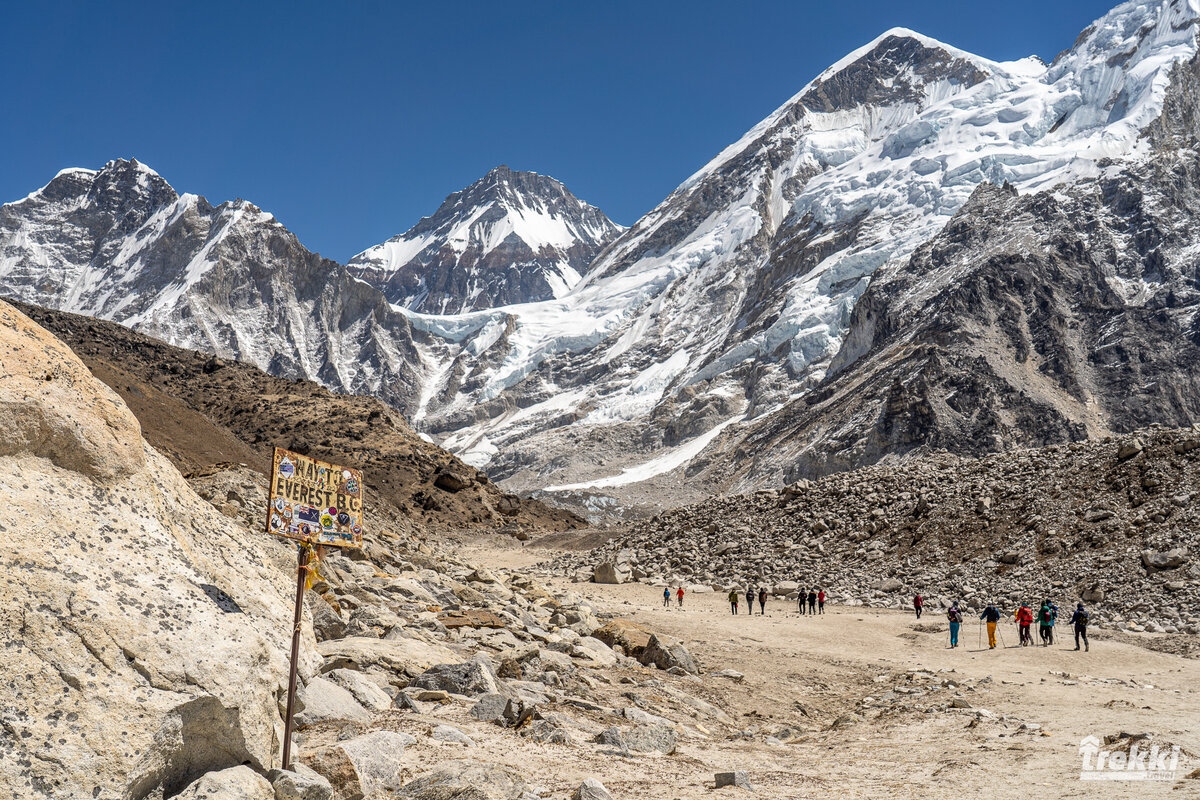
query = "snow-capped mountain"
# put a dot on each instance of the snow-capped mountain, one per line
(510, 237)
(730, 299)
(119, 243)
(816, 297)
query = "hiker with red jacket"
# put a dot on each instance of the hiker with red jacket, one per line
(821, 602)
(918, 604)
(679, 594)
(1024, 617)
(762, 601)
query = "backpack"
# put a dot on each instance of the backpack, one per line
(1081, 617)
(954, 615)
(1024, 615)
(1047, 617)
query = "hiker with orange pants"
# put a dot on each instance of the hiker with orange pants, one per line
(991, 616)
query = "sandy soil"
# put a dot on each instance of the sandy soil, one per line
(802, 674)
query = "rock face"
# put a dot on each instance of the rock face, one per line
(510, 237)
(666, 653)
(157, 648)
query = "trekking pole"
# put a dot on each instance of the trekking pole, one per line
(979, 639)
(1000, 630)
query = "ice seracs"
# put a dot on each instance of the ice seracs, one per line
(732, 296)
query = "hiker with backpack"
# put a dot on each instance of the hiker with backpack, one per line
(821, 602)
(812, 601)
(733, 601)
(666, 597)
(956, 618)
(1080, 620)
(762, 601)
(679, 594)
(1024, 617)
(991, 616)
(803, 596)
(1046, 624)
(918, 604)
(750, 601)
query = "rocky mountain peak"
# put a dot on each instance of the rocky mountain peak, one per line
(892, 68)
(509, 237)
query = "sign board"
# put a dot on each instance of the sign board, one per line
(315, 502)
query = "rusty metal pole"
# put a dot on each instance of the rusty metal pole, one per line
(301, 574)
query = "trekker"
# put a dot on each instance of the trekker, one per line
(1053, 620)
(1080, 620)
(679, 594)
(955, 617)
(991, 616)
(750, 601)
(812, 601)
(1046, 624)
(762, 601)
(803, 595)
(733, 601)
(918, 604)
(821, 602)
(666, 597)
(1024, 616)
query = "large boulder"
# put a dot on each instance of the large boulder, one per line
(641, 739)
(1156, 560)
(609, 572)
(365, 691)
(235, 783)
(470, 678)
(401, 655)
(300, 783)
(367, 766)
(665, 653)
(149, 634)
(322, 700)
(466, 780)
(623, 633)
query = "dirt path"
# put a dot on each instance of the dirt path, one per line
(845, 696)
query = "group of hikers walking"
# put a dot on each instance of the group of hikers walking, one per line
(1046, 618)
(751, 594)
(814, 598)
(814, 601)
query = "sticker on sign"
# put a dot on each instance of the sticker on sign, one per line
(314, 501)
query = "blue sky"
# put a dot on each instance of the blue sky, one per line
(350, 121)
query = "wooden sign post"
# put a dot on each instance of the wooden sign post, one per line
(313, 503)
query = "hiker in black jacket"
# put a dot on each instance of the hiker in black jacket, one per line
(1080, 620)
(991, 616)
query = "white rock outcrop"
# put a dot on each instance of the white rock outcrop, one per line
(145, 638)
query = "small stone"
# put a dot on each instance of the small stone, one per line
(738, 778)
(591, 789)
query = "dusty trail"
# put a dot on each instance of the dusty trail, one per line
(804, 673)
